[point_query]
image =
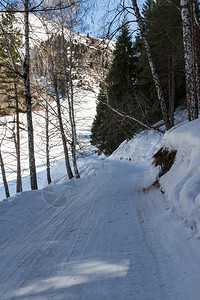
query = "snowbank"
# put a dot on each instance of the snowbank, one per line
(182, 183)
(140, 148)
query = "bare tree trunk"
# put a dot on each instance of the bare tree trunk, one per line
(72, 117)
(172, 106)
(26, 78)
(189, 61)
(171, 85)
(33, 177)
(47, 144)
(152, 65)
(3, 172)
(64, 140)
(19, 178)
(70, 94)
(196, 50)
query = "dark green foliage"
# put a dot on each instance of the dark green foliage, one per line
(164, 31)
(129, 85)
(99, 129)
(9, 81)
(110, 129)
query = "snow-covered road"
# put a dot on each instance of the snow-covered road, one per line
(101, 237)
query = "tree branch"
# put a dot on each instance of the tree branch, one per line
(10, 53)
(131, 118)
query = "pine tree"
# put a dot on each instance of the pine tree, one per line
(10, 83)
(100, 125)
(109, 129)
(163, 26)
(8, 77)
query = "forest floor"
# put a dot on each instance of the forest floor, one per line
(101, 237)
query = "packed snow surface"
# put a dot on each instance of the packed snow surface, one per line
(99, 237)
(108, 235)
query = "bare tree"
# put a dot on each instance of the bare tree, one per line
(152, 65)
(2, 166)
(26, 77)
(47, 143)
(69, 85)
(17, 142)
(195, 47)
(3, 172)
(59, 115)
(189, 61)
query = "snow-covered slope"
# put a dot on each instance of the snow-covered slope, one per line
(140, 148)
(85, 107)
(39, 27)
(181, 184)
(88, 70)
(90, 54)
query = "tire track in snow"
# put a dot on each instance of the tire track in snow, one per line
(113, 242)
(25, 254)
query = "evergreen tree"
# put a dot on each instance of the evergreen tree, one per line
(163, 25)
(8, 77)
(110, 129)
(10, 84)
(99, 126)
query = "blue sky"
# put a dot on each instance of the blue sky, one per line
(98, 16)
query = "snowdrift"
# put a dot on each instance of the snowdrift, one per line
(181, 183)
(140, 148)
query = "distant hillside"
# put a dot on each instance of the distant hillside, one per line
(91, 55)
(91, 58)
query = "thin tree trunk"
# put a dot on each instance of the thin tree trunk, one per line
(171, 89)
(3, 172)
(196, 51)
(64, 140)
(33, 177)
(189, 61)
(152, 65)
(19, 178)
(172, 108)
(47, 144)
(70, 97)
(169, 85)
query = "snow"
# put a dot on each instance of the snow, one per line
(139, 149)
(107, 235)
(181, 184)
(113, 241)
(85, 105)
(40, 28)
